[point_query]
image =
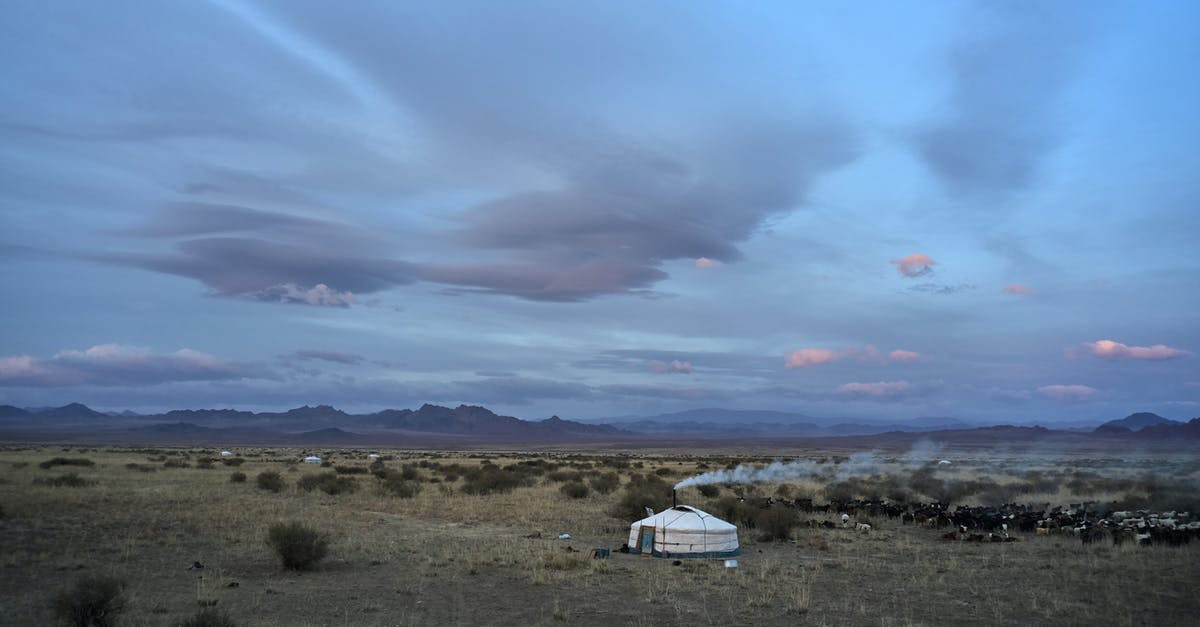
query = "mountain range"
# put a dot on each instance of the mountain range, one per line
(434, 425)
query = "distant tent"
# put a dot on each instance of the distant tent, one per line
(312, 459)
(373, 456)
(226, 453)
(683, 531)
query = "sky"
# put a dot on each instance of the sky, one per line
(874, 210)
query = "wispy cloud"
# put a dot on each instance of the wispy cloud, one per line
(914, 265)
(805, 357)
(348, 359)
(705, 262)
(878, 390)
(1116, 351)
(1068, 393)
(117, 365)
(675, 366)
(1016, 289)
(903, 355)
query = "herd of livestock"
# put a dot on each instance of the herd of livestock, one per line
(1090, 522)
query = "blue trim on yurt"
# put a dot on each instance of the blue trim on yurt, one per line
(712, 554)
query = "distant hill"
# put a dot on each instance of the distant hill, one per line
(307, 424)
(1136, 422)
(714, 422)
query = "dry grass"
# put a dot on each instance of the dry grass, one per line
(446, 557)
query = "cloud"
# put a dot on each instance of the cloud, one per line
(914, 265)
(547, 282)
(319, 294)
(1005, 77)
(705, 262)
(1116, 351)
(941, 288)
(805, 357)
(272, 271)
(879, 390)
(674, 367)
(117, 365)
(1016, 289)
(330, 356)
(1068, 393)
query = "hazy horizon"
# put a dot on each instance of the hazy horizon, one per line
(986, 211)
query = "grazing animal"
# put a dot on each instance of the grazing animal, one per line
(845, 520)
(863, 527)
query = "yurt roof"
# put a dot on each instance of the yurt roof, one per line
(685, 517)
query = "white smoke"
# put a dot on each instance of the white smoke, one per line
(856, 465)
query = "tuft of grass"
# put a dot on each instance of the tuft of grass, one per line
(298, 547)
(94, 601)
(270, 481)
(605, 483)
(66, 461)
(176, 463)
(237, 477)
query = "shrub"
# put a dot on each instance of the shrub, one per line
(606, 482)
(351, 470)
(233, 461)
(66, 461)
(209, 617)
(488, 479)
(95, 601)
(204, 463)
(709, 490)
(565, 476)
(69, 480)
(397, 486)
(776, 523)
(327, 482)
(141, 467)
(640, 493)
(176, 463)
(270, 480)
(574, 489)
(298, 547)
(237, 477)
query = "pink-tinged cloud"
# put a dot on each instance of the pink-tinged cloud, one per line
(914, 265)
(705, 262)
(117, 365)
(806, 357)
(1068, 393)
(674, 367)
(878, 390)
(903, 355)
(1113, 351)
(1016, 289)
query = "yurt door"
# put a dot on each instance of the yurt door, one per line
(646, 544)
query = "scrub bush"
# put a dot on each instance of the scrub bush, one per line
(94, 601)
(298, 547)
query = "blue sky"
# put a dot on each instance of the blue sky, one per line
(872, 210)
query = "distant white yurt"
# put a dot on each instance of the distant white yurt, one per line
(312, 459)
(373, 456)
(226, 453)
(683, 531)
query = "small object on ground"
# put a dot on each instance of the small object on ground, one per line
(677, 563)
(571, 549)
(564, 536)
(731, 563)
(232, 584)
(196, 566)
(536, 534)
(600, 553)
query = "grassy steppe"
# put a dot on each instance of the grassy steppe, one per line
(449, 554)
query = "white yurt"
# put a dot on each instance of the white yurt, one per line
(683, 531)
